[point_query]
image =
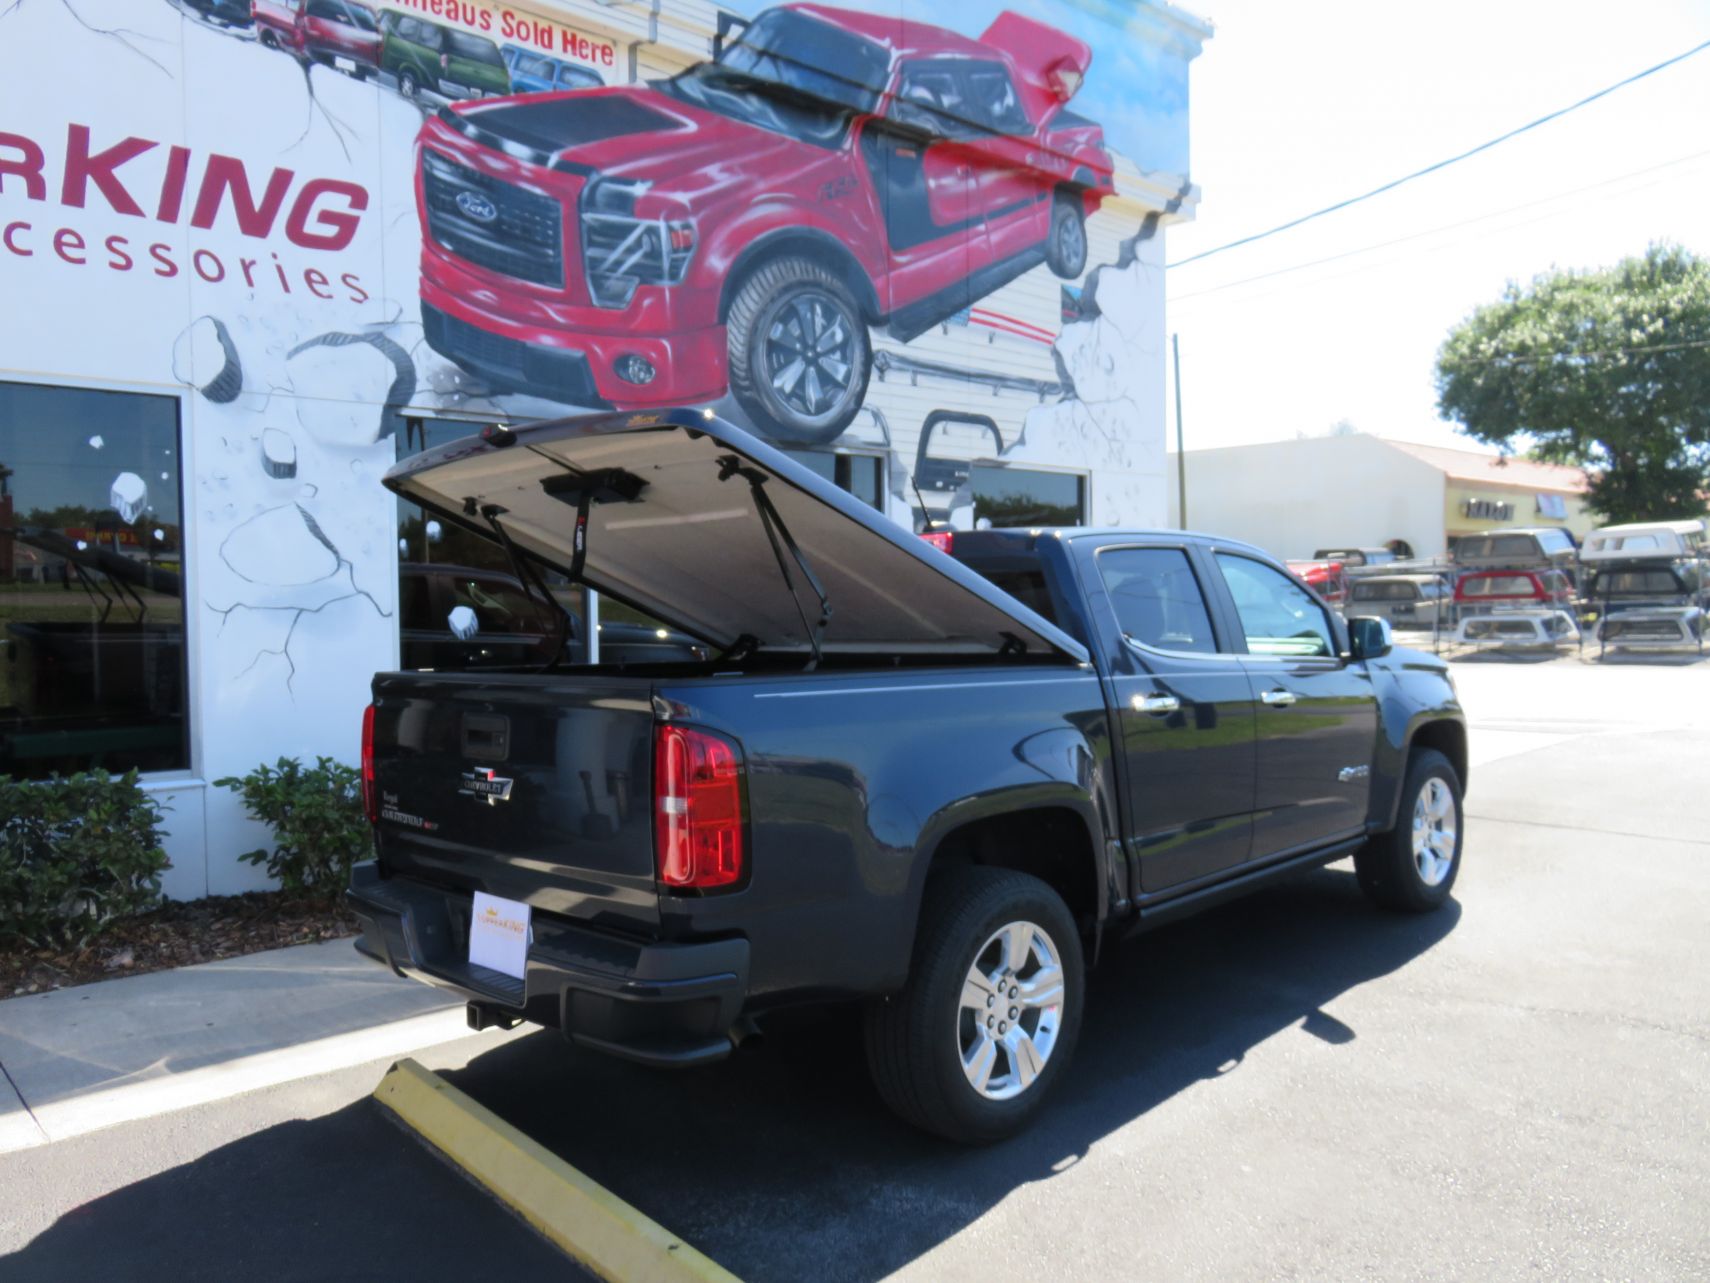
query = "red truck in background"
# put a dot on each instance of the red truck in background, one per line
(742, 224)
(342, 33)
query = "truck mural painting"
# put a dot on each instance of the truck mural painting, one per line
(742, 224)
(219, 205)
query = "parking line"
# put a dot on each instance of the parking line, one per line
(581, 1216)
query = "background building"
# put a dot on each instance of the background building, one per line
(249, 265)
(1294, 497)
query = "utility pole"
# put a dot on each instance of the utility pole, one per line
(1181, 452)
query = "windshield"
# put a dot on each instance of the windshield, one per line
(1658, 582)
(790, 74)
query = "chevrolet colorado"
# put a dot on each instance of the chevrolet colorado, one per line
(934, 775)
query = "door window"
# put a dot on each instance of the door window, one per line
(929, 98)
(1278, 616)
(992, 99)
(1157, 599)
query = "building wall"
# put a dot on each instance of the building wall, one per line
(188, 213)
(1523, 504)
(1293, 497)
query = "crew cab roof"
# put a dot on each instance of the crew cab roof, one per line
(675, 528)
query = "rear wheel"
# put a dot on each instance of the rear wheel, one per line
(408, 85)
(268, 39)
(1413, 867)
(970, 1048)
(1066, 246)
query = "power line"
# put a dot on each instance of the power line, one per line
(1445, 227)
(1592, 356)
(1444, 164)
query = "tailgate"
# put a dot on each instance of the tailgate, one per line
(535, 788)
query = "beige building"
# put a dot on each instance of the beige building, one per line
(1294, 497)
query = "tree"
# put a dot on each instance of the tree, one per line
(1609, 370)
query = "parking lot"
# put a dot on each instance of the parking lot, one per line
(1294, 1086)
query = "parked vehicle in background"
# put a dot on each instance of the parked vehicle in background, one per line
(1647, 585)
(442, 60)
(1645, 539)
(1541, 548)
(933, 784)
(233, 13)
(1515, 608)
(868, 172)
(533, 72)
(1406, 600)
(341, 33)
(1329, 579)
(1351, 557)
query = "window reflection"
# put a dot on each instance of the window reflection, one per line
(1024, 497)
(91, 573)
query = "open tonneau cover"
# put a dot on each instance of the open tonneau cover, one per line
(676, 525)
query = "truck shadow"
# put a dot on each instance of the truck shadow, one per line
(780, 1163)
(783, 1164)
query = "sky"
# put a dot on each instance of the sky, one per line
(1297, 104)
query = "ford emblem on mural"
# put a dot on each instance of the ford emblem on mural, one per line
(477, 206)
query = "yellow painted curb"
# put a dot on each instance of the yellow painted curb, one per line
(587, 1220)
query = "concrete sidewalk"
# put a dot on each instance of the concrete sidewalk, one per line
(77, 1059)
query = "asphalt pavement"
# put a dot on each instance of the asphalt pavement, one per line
(1293, 1086)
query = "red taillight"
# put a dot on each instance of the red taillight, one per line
(370, 794)
(697, 808)
(939, 539)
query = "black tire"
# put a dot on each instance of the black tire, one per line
(268, 39)
(783, 303)
(915, 1039)
(408, 85)
(1392, 874)
(1066, 243)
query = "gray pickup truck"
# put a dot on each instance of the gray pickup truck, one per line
(937, 780)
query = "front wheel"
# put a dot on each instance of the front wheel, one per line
(408, 85)
(799, 351)
(987, 1023)
(1413, 867)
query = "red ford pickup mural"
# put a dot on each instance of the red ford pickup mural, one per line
(740, 226)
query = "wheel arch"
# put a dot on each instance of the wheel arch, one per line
(1051, 838)
(808, 243)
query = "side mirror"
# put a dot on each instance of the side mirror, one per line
(1369, 637)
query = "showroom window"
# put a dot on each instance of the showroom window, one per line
(461, 605)
(1025, 497)
(862, 475)
(91, 583)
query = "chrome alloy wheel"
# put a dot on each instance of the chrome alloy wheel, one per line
(1012, 1009)
(810, 354)
(1434, 832)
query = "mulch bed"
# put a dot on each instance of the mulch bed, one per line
(179, 934)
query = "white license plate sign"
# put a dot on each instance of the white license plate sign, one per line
(499, 934)
(347, 65)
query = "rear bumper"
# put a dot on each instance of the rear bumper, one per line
(659, 1004)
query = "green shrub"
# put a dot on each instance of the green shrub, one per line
(76, 854)
(319, 828)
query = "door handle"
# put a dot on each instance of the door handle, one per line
(1156, 703)
(1279, 698)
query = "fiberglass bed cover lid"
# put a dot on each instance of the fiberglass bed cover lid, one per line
(674, 529)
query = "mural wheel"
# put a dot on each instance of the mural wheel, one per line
(1066, 248)
(269, 40)
(408, 85)
(799, 351)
